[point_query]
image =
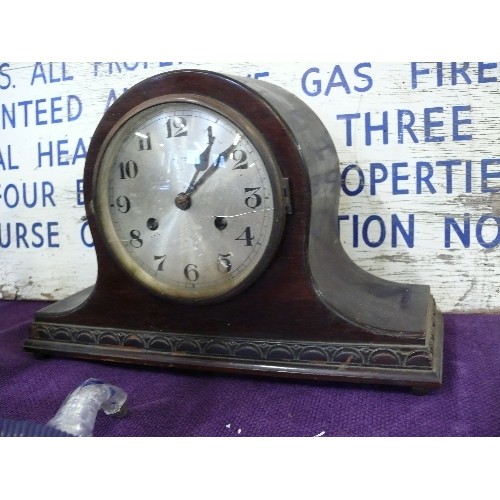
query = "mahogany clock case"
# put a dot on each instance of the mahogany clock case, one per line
(312, 313)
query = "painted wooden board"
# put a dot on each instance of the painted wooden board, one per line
(417, 142)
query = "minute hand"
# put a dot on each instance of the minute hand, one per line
(215, 165)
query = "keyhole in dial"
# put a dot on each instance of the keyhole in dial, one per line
(152, 224)
(220, 223)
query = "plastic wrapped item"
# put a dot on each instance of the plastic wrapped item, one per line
(77, 414)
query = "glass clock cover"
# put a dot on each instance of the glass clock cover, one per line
(190, 199)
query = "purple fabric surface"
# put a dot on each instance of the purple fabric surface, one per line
(175, 403)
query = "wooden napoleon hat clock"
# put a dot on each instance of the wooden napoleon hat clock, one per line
(212, 202)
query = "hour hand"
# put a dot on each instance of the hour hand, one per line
(223, 157)
(202, 164)
(183, 200)
(204, 158)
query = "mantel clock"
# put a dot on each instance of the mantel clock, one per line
(213, 205)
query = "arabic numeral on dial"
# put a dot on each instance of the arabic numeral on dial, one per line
(145, 142)
(135, 238)
(128, 170)
(241, 159)
(176, 127)
(223, 263)
(254, 200)
(191, 273)
(161, 260)
(123, 204)
(246, 236)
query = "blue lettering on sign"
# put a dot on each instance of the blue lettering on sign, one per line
(56, 73)
(405, 125)
(7, 163)
(482, 67)
(35, 235)
(462, 230)
(5, 80)
(29, 195)
(257, 76)
(41, 111)
(372, 231)
(348, 125)
(449, 164)
(462, 71)
(133, 66)
(397, 177)
(382, 127)
(378, 233)
(402, 123)
(487, 175)
(456, 122)
(462, 233)
(85, 235)
(354, 180)
(452, 73)
(375, 179)
(112, 97)
(109, 68)
(429, 124)
(79, 192)
(314, 84)
(59, 153)
(359, 185)
(424, 178)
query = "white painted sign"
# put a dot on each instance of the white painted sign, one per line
(417, 142)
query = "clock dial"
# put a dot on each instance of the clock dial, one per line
(190, 199)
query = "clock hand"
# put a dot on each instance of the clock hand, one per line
(183, 200)
(222, 156)
(193, 186)
(202, 164)
(205, 156)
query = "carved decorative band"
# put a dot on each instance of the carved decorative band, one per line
(317, 353)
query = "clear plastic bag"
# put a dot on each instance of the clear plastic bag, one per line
(77, 414)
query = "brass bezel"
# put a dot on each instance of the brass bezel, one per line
(124, 258)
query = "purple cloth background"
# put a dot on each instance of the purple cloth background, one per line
(180, 403)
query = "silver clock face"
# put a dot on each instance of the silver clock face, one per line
(189, 198)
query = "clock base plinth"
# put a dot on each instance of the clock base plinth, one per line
(416, 366)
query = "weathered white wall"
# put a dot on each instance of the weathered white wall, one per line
(417, 144)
